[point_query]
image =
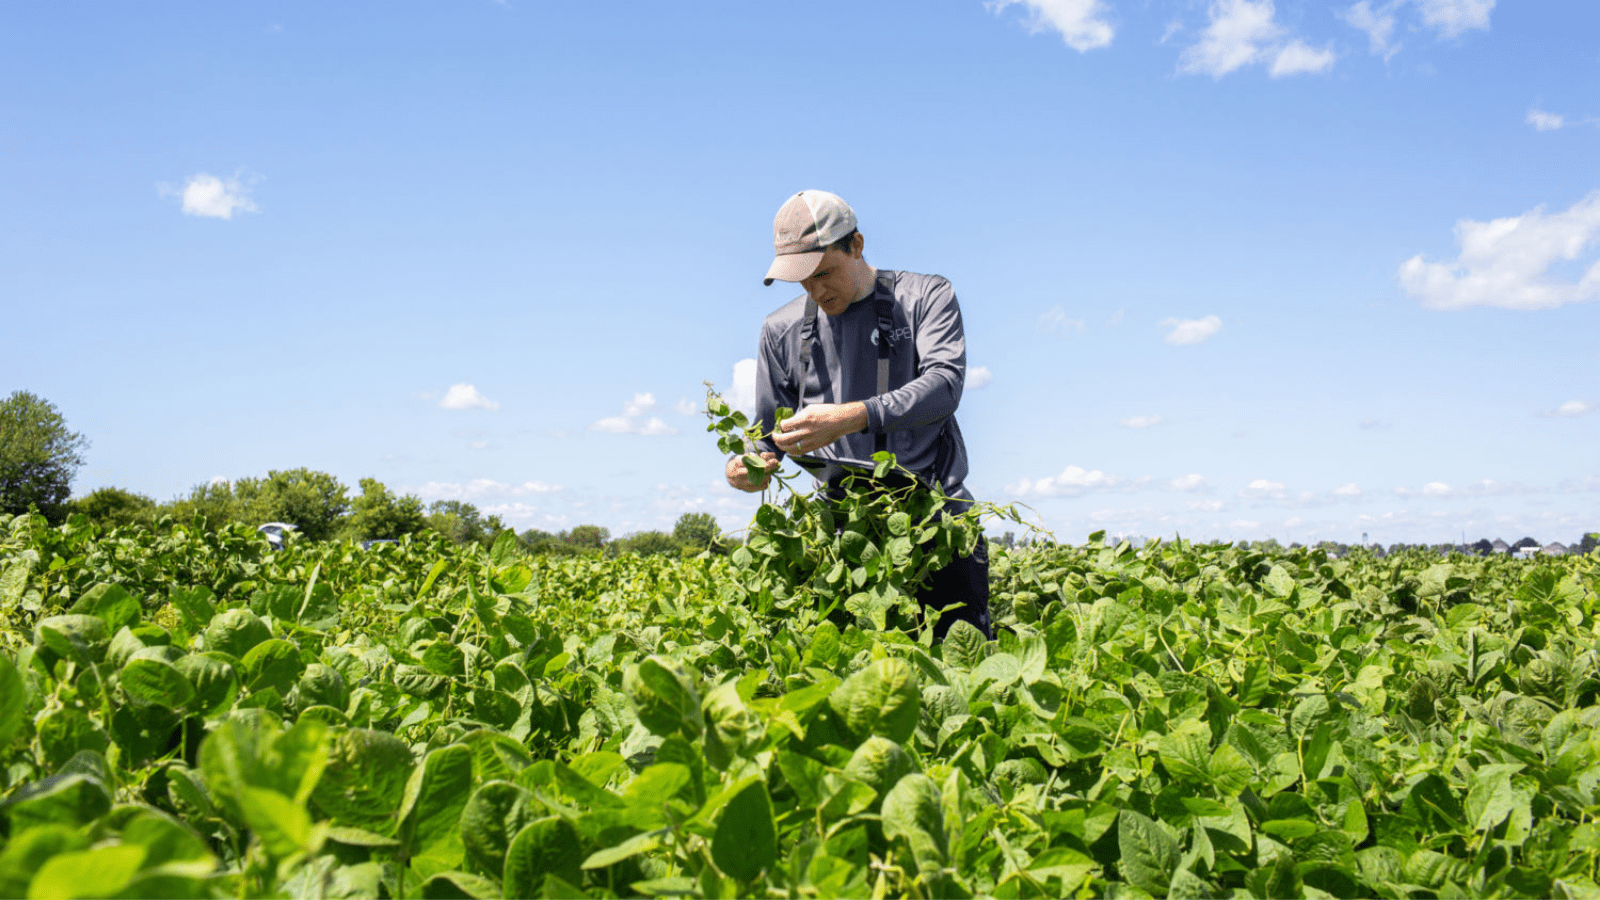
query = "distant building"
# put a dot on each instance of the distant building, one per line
(1553, 549)
(1500, 546)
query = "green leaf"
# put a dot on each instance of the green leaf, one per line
(548, 846)
(12, 698)
(365, 780)
(151, 682)
(76, 637)
(1229, 770)
(195, 605)
(71, 800)
(913, 811)
(433, 575)
(1289, 829)
(283, 826)
(881, 699)
(444, 658)
(1149, 854)
(1490, 796)
(101, 872)
(731, 727)
(746, 840)
(430, 810)
(459, 886)
(664, 698)
(1186, 750)
(215, 683)
(963, 645)
(1278, 583)
(319, 609)
(273, 663)
(506, 549)
(492, 817)
(235, 631)
(111, 604)
(880, 764)
(633, 846)
(25, 853)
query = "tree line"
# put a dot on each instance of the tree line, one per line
(40, 457)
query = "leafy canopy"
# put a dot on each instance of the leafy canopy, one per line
(39, 456)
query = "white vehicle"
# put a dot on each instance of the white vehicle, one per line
(275, 532)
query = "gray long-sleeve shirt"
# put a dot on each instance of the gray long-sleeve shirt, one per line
(927, 367)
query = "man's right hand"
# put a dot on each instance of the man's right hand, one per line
(739, 476)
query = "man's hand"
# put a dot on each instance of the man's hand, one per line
(739, 476)
(815, 427)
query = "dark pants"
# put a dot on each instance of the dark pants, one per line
(966, 582)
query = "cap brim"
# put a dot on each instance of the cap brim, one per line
(793, 267)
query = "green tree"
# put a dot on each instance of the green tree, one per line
(586, 537)
(112, 507)
(39, 456)
(697, 531)
(378, 514)
(463, 523)
(314, 502)
(215, 502)
(645, 543)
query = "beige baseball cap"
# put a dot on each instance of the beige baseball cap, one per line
(803, 229)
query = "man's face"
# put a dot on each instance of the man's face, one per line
(837, 282)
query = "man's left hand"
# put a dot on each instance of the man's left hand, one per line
(815, 427)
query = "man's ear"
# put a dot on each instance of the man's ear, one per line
(858, 244)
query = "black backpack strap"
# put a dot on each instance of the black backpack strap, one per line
(883, 300)
(808, 333)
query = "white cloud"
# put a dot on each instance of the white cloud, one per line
(1347, 491)
(1378, 24)
(1190, 482)
(1055, 319)
(1452, 17)
(1372, 424)
(684, 407)
(1074, 481)
(655, 427)
(639, 405)
(1210, 506)
(979, 377)
(1571, 409)
(1139, 421)
(465, 396)
(742, 395)
(1486, 487)
(478, 445)
(479, 488)
(211, 197)
(1293, 522)
(1262, 489)
(1297, 58)
(1544, 121)
(633, 419)
(1080, 22)
(1504, 262)
(1191, 331)
(1237, 36)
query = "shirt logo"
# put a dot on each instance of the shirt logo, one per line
(899, 334)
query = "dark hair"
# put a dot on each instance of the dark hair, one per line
(846, 243)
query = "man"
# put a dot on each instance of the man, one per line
(870, 360)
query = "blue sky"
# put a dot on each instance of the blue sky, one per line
(1230, 269)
